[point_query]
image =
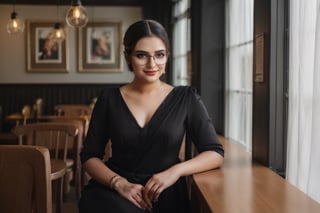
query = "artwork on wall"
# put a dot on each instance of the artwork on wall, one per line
(99, 47)
(259, 44)
(44, 54)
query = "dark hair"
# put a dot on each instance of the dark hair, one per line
(141, 29)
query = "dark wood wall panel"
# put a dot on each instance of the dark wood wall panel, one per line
(14, 96)
(208, 56)
(261, 90)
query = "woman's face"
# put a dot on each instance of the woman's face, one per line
(148, 59)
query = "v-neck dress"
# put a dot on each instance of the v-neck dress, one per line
(139, 152)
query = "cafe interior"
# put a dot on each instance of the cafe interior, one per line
(241, 56)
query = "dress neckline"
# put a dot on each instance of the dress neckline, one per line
(165, 100)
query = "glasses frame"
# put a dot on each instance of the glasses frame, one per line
(135, 56)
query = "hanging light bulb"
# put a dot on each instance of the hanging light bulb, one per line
(15, 25)
(58, 32)
(76, 15)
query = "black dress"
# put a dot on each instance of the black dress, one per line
(138, 152)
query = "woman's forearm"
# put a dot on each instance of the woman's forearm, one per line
(96, 168)
(202, 162)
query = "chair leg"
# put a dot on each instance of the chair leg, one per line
(78, 183)
(67, 181)
(59, 195)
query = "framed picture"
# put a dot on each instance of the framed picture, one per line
(44, 54)
(259, 45)
(100, 47)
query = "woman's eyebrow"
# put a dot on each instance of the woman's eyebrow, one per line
(141, 51)
(145, 52)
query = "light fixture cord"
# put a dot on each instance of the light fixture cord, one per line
(14, 6)
(58, 15)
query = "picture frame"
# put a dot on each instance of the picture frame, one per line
(43, 53)
(259, 48)
(99, 47)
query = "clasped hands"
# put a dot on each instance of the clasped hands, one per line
(143, 196)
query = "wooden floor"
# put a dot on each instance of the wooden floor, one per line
(71, 203)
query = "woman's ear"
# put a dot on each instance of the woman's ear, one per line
(127, 57)
(128, 60)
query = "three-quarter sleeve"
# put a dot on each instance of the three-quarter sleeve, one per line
(98, 132)
(199, 125)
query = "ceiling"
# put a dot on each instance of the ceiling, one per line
(84, 2)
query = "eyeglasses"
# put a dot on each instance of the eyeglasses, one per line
(142, 58)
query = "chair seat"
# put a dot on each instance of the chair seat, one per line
(69, 162)
(58, 169)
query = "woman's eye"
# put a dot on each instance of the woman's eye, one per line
(160, 55)
(141, 55)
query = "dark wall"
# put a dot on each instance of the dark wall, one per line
(261, 101)
(160, 10)
(14, 96)
(208, 42)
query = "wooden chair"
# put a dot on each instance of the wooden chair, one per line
(26, 113)
(57, 137)
(82, 124)
(37, 107)
(25, 183)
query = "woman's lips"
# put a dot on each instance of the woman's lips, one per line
(150, 73)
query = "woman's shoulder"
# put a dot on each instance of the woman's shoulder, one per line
(185, 89)
(107, 93)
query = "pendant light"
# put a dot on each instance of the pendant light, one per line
(58, 30)
(15, 25)
(76, 15)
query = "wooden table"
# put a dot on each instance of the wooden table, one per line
(241, 186)
(16, 118)
(58, 170)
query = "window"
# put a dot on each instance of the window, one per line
(181, 66)
(239, 55)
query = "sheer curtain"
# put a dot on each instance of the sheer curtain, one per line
(303, 157)
(239, 53)
(181, 43)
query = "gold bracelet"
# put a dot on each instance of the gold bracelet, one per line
(113, 181)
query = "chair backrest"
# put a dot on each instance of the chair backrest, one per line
(73, 109)
(26, 113)
(57, 137)
(25, 182)
(81, 123)
(38, 105)
(84, 120)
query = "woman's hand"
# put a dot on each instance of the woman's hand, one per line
(132, 192)
(157, 184)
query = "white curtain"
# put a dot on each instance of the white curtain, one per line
(239, 52)
(303, 156)
(181, 44)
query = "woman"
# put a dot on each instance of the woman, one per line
(146, 121)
